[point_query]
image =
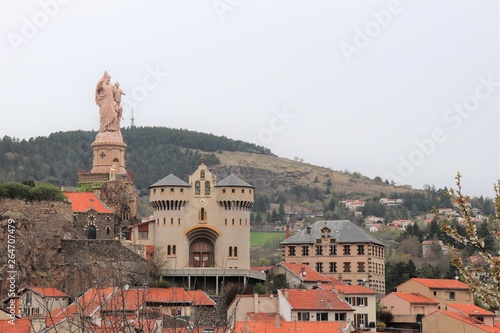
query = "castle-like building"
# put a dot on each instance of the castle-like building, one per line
(200, 228)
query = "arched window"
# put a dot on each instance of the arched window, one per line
(207, 187)
(168, 250)
(202, 174)
(202, 214)
(91, 232)
(235, 251)
(107, 231)
(230, 251)
(197, 188)
(173, 249)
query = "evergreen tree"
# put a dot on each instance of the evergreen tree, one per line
(281, 213)
(411, 269)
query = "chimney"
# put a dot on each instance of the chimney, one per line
(277, 320)
(340, 278)
(287, 231)
(329, 304)
(246, 328)
(256, 303)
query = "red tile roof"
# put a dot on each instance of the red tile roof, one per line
(471, 309)
(127, 300)
(200, 298)
(86, 304)
(328, 287)
(261, 268)
(442, 283)
(20, 326)
(81, 202)
(314, 299)
(467, 320)
(310, 274)
(346, 289)
(287, 326)
(263, 317)
(48, 292)
(335, 281)
(414, 298)
(167, 295)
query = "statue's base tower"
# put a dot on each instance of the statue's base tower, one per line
(109, 178)
(109, 154)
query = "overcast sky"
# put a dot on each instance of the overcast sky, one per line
(407, 91)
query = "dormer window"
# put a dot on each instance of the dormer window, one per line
(308, 230)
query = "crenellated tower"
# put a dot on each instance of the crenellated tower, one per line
(200, 227)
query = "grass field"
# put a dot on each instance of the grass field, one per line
(263, 238)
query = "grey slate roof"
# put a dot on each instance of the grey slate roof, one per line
(170, 180)
(232, 180)
(344, 231)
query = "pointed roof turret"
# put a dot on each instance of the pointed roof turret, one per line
(233, 181)
(170, 180)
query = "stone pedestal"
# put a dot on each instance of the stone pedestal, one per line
(109, 154)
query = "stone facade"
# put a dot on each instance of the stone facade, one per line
(92, 219)
(48, 254)
(81, 251)
(94, 225)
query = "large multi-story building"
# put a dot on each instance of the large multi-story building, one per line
(339, 249)
(201, 228)
(445, 291)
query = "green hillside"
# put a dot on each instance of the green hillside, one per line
(152, 153)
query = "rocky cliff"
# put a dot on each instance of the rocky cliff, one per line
(47, 254)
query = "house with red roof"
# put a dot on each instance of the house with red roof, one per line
(103, 309)
(91, 217)
(41, 300)
(406, 308)
(445, 291)
(17, 326)
(300, 274)
(364, 302)
(353, 205)
(313, 305)
(252, 308)
(87, 308)
(403, 224)
(174, 301)
(474, 311)
(443, 321)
